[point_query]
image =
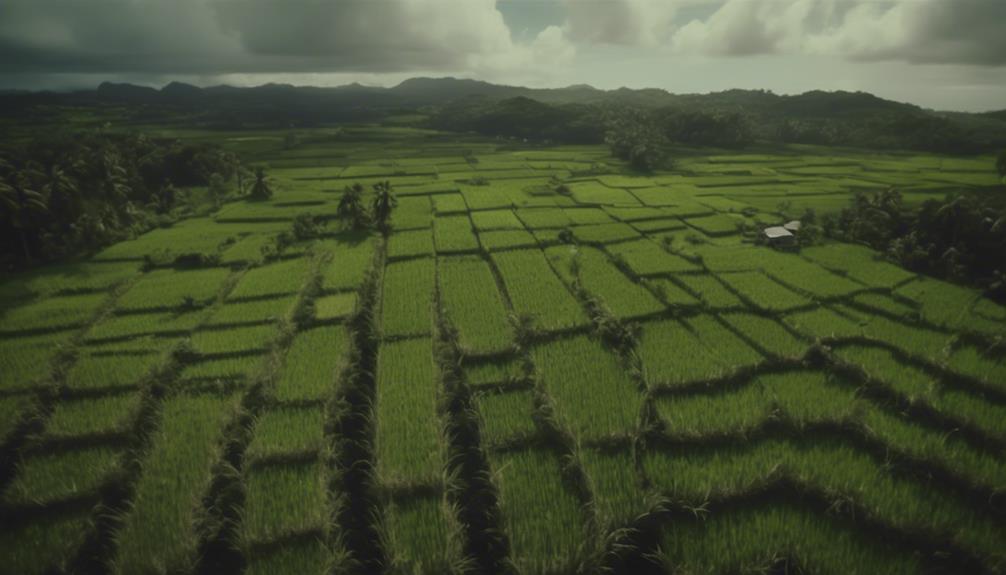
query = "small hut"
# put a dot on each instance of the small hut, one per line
(779, 236)
(793, 226)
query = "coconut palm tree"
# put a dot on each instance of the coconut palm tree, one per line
(260, 189)
(350, 209)
(20, 206)
(384, 202)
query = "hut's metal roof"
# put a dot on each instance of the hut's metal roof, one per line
(776, 232)
(793, 226)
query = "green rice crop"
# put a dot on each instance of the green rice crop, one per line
(92, 416)
(255, 311)
(859, 263)
(351, 258)
(727, 259)
(543, 218)
(662, 225)
(485, 197)
(407, 302)
(884, 303)
(751, 540)
(635, 214)
(763, 292)
(767, 333)
(803, 275)
(287, 430)
(335, 306)
(474, 305)
(646, 257)
(248, 250)
(587, 216)
(604, 233)
(672, 354)
(804, 397)
(276, 279)
(312, 363)
(534, 289)
(716, 225)
(228, 368)
(592, 192)
(540, 516)
(601, 278)
(823, 322)
(49, 477)
(505, 416)
(283, 500)
(408, 442)
(710, 290)
(173, 289)
(901, 433)
(234, 340)
(671, 293)
(52, 313)
(410, 244)
(969, 360)
(296, 557)
(92, 371)
(25, 361)
(493, 371)
(412, 213)
(618, 495)
(507, 239)
(45, 544)
(64, 278)
(415, 533)
(913, 339)
(157, 534)
(138, 324)
(593, 395)
(941, 303)
(454, 234)
(12, 409)
(694, 475)
(449, 204)
(496, 220)
(194, 235)
(731, 349)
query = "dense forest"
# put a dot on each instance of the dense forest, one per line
(61, 195)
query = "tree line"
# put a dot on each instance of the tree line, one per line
(67, 194)
(960, 238)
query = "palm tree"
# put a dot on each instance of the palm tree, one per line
(350, 209)
(63, 194)
(951, 215)
(260, 189)
(384, 202)
(20, 205)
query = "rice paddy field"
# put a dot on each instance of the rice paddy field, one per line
(480, 392)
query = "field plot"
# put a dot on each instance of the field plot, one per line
(473, 304)
(541, 517)
(602, 279)
(535, 290)
(408, 442)
(454, 234)
(642, 387)
(407, 302)
(592, 395)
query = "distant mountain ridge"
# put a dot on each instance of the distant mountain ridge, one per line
(573, 113)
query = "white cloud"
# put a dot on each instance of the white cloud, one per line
(916, 31)
(262, 36)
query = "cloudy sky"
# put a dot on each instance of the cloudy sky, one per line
(945, 54)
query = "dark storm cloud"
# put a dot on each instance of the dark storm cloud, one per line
(947, 32)
(245, 36)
